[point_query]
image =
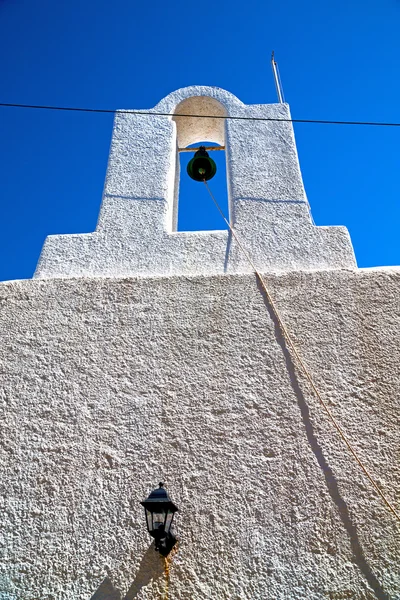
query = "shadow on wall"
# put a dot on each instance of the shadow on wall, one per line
(151, 568)
(330, 479)
(106, 591)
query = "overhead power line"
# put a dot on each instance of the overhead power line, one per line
(162, 114)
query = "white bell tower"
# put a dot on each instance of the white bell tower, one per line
(136, 232)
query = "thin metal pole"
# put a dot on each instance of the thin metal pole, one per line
(277, 80)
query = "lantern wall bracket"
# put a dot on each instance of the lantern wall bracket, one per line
(165, 544)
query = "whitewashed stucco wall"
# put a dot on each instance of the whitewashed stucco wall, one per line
(113, 379)
(110, 385)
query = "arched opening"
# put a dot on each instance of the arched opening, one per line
(194, 209)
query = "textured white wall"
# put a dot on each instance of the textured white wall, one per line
(110, 385)
(135, 233)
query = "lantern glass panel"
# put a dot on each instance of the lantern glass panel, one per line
(158, 519)
(149, 519)
(168, 520)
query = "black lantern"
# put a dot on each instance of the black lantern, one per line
(159, 511)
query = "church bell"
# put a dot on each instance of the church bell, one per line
(201, 167)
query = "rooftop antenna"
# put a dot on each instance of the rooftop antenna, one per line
(277, 79)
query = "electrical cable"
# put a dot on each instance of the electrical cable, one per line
(162, 114)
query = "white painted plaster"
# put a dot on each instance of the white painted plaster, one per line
(136, 235)
(109, 385)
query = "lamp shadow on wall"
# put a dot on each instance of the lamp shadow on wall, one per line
(151, 568)
(106, 591)
(330, 479)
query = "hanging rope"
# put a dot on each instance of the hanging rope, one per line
(300, 361)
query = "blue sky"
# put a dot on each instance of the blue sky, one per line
(338, 61)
